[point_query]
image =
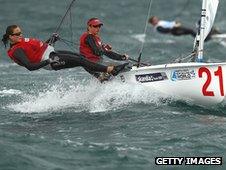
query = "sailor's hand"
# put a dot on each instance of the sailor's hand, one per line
(107, 47)
(110, 69)
(125, 57)
(55, 36)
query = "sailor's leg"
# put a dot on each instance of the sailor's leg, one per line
(69, 60)
(103, 76)
(94, 73)
(183, 31)
(63, 61)
(93, 66)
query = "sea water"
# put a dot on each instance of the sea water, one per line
(67, 120)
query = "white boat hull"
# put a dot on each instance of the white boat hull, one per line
(201, 83)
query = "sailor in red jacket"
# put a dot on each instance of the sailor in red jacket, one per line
(92, 48)
(34, 54)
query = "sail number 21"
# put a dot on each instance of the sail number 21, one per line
(218, 73)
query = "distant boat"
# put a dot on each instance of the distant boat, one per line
(199, 82)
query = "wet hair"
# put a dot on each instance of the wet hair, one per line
(151, 19)
(9, 31)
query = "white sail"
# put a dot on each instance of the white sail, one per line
(209, 10)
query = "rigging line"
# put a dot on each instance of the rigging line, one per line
(145, 30)
(71, 42)
(71, 26)
(183, 58)
(135, 48)
(62, 20)
(68, 44)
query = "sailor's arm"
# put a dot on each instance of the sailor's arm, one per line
(100, 51)
(21, 57)
(115, 56)
(92, 44)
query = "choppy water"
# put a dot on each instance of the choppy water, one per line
(66, 120)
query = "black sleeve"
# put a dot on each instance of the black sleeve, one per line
(21, 57)
(91, 43)
(113, 55)
(163, 30)
(99, 51)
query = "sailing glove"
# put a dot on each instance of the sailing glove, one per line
(125, 57)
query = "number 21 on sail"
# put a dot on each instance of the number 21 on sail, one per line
(218, 73)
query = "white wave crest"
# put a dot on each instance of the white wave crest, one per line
(139, 37)
(9, 92)
(88, 96)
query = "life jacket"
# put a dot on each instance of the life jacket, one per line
(33, 48)
(86, 51)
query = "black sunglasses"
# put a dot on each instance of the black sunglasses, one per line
(17, 34)
(96, 26)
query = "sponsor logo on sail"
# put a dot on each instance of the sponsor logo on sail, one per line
(183, 74)
(151, 77)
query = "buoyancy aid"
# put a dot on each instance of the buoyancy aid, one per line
(33, 49)
(86, 51)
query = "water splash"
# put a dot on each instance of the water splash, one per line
(7, 65)
(86, 95)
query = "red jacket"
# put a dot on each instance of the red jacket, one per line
(33, 49)
(86, 50)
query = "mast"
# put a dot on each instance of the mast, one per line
(208, 13)
(202, 31)
(145, 30)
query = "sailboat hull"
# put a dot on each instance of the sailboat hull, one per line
(200, 83)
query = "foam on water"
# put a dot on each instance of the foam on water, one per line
(139, 37)
(88, 96)
(143, 38)
(223, 43)
(9, 92)
(7, 65)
